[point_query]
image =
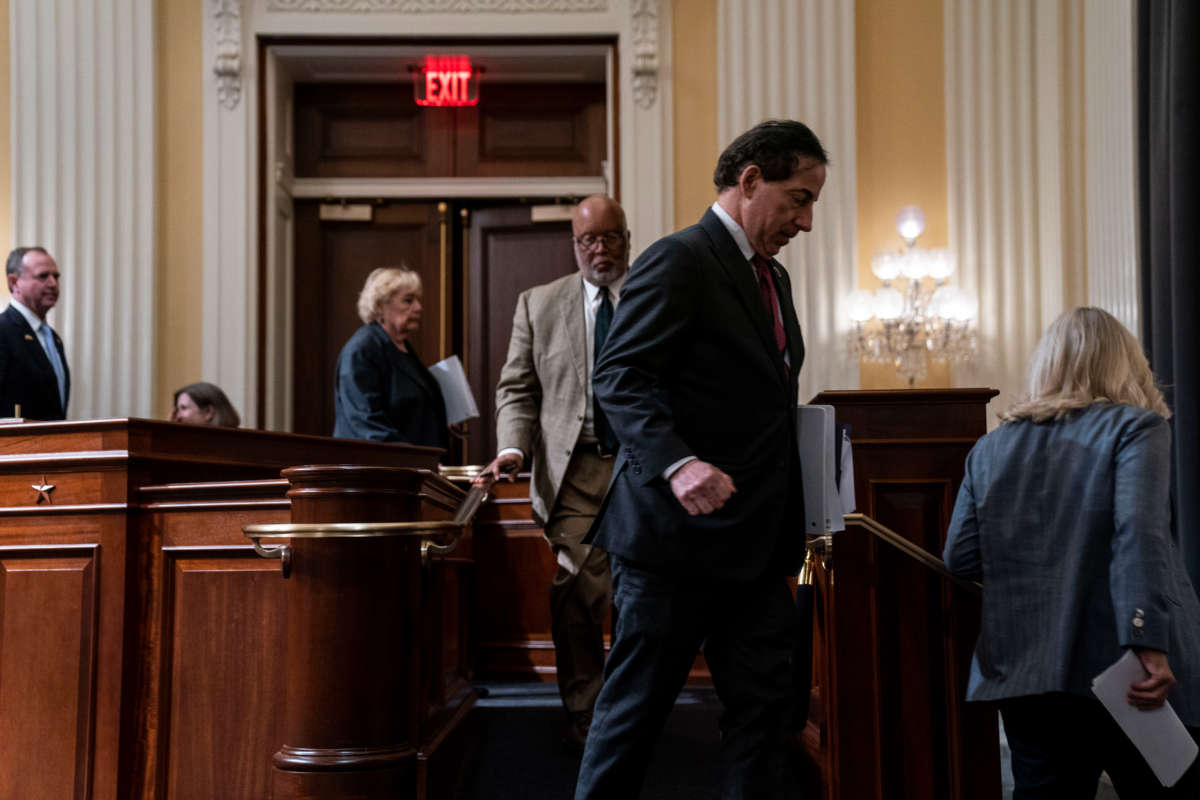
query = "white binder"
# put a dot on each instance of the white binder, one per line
(823, 511)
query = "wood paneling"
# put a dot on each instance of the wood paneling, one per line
(532, 130)
(369, 131)
(48, 630)
(508, 254)
(224, 634)
(893, 639)
(517, 131)
(181, 620)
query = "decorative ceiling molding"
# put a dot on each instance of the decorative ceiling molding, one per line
(645, 52)
(438, 6)
(227, 59)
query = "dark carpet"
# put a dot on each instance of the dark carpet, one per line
(522, 754)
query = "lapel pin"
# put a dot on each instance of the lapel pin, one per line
(29, 337)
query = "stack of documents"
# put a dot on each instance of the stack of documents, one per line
(460, 400)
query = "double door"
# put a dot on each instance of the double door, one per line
(474, 259)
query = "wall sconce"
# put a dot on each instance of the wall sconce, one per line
(917, 315)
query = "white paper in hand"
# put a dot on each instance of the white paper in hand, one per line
(1158, 734)
(460, 400)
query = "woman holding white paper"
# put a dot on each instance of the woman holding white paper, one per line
(382, 391)
(1064, 516)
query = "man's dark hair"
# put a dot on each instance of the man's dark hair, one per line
(775, 146)
(17, 256)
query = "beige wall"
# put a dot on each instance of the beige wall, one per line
(693, 52)
(900, 88)
(180, 197)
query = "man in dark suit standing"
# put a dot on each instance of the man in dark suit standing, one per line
(33, 366)
(704, 516)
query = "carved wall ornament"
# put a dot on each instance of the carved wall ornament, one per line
(227, 59)
(645, 52)
(438, 6)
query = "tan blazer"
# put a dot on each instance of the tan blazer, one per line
(541, 397)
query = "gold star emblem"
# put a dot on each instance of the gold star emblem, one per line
(43, 489)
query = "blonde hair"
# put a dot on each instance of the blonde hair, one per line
(381, 285)
(1086, 356)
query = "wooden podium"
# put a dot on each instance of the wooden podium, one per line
(144, 644)
(893, 636)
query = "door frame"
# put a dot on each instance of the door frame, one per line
(247, 327)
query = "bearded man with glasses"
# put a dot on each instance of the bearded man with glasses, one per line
(546, 418)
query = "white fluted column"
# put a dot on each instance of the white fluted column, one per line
(1110, 161)
(83, 186)
(1013, 79)
(1040, 156)
(795, 59)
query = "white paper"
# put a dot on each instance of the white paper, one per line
(846, 486)
(1157, 734)
(460, 400)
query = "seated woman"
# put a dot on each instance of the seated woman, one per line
(204, 404)
(382, 391)
(1064, 516)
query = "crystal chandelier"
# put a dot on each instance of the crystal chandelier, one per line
(917, 315)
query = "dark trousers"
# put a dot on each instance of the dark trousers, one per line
(1061, 742)
(748, 631)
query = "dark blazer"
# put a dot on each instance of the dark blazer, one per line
(1067, 526)
(384, 394)
(26, 376)
(690, 367)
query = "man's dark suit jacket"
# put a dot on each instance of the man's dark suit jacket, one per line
(691, 367)
(26, 376)
(386, 395)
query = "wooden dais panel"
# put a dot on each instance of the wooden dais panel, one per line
(224, 642)
(48, 623)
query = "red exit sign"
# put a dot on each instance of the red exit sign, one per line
(446, 81)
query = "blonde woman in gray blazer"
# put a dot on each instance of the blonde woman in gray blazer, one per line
(1064, 516)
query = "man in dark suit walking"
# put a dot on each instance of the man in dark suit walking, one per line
(704, 516)
(33, 366)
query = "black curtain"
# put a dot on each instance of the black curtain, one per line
(1169, 142)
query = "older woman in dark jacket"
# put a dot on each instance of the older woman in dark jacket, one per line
(1064, 516)
(382, 391)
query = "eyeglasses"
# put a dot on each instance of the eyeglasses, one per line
(608, 239)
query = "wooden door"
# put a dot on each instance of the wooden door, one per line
(508, 254)
(332, 261)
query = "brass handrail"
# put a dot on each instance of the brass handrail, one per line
(881, 531)
(350, 530)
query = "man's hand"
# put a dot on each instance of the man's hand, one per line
(701, 488)
(503, 466)
(1152, 692)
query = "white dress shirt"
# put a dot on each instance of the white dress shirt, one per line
(34, 323)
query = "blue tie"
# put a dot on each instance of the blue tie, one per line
(56, 362)
(604, 431)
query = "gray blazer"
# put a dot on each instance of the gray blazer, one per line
(1067, 526)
